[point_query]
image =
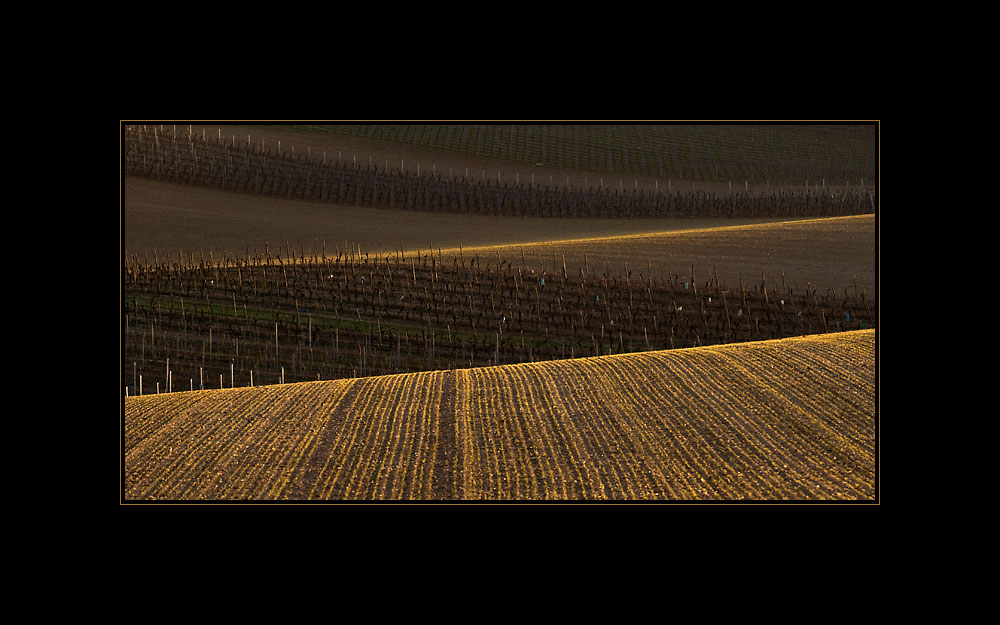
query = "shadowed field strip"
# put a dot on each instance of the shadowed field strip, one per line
(160, 219)
(793, 419)
(168, 218)
(834, 252)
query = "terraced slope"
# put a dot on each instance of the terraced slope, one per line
(793, 419)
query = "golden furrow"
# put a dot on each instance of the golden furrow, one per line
(502, 465)
(370, 420)
(530, 435)
(786, 431)
(831, 462)
(507, 393)
(718, 418)
(422, 481)
(814, 362)
(684, 407)
(227, 458)
(821, 451)
(575, 388)
(375, 452)
(677, 403)
(653, 417)
(419, 476)
(817, 399)
(322, 416)
(336, 457)
(515, 388)
(466, 482)
(489, 457)
(578, 472)
(290, 428)
(143, 416)
(409, 461)
(676, 407)
(411, 423)
(782, 420)
(626, 432)
(229, 455)
(398, 423)
(161, 470)
(404, 455)
(422, 488)
(284, 417)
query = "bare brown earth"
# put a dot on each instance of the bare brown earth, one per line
(165, 219)
(832, 253)
(242, 445)
(793, 419)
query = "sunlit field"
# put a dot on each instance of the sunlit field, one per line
(506, 313)
(791, 419)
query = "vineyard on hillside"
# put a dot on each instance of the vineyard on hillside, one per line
(282, 316)
(706, 152)
(792, 419)
(228, 164)
(547, 332)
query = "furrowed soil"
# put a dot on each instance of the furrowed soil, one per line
(792, 419)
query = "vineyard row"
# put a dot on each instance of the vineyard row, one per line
(711, 152)
(265, 320)
(231, 165)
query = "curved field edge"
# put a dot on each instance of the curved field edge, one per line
(828, 252)
(792, 419)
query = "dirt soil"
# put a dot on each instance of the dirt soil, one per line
(161, 218)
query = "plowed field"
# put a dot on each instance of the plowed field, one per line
(793, 419)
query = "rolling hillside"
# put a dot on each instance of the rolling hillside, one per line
(781, 154)
(792, 419)
(499, 313)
